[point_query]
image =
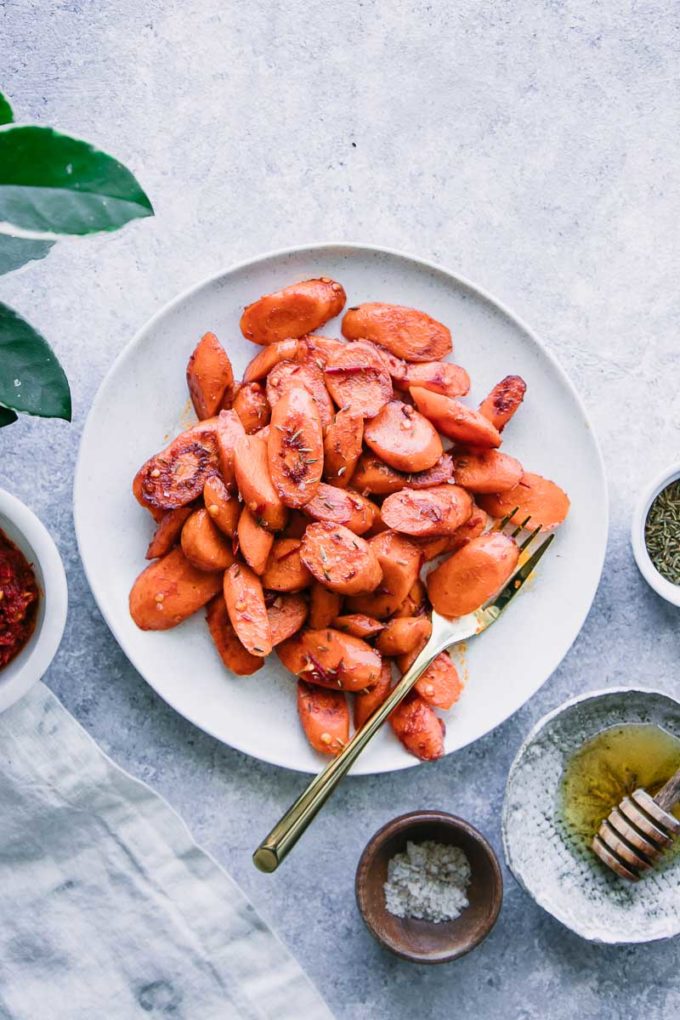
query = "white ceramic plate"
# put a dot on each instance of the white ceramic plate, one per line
(565, 878)
(142, 403)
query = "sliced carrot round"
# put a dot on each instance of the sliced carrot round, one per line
(285, 570)
(222, 506)
(503, 401)
(403, 438)
(252, 407)
(337, 506)
(287, 613)
(455, 420)
(331, 659)
(169, 591)
(486, 470)
(204, 545)
(295, 447)
(228, 430)
(167, 531)
(342, 447)
(339, 559)
(324, 606)
(290, 374)
(471, 576)
(265, 360)
(251, 468)
(426, 512)
(324, 715)
(235, 657)
(475, 525)
(254, 541)
(399, 560)
(403, 634)
(535, 497)
(419, 728)
(357, 378)
(366, 702)
(210, 377)
(415, 603)
(440, 684)
(406, 332)
(358, 625)
(244, 597)
(319, 349)
(176, 475)
(293, 311)
(440, 377)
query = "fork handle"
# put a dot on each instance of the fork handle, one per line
(285, 834)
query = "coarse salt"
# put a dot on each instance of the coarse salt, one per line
(428, 881)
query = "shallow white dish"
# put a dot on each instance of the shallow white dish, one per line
(567, 879)
(662, 587)
(30, 535)
(143, 402)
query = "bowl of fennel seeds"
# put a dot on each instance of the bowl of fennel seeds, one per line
(655, 535)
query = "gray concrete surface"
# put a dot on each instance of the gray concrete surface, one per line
(533, 147)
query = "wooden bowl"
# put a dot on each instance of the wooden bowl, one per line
(426, 941)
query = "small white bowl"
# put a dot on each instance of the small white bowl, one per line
(664, 588)
(30, 536)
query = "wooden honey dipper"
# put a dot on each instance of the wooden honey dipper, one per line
(637, 832)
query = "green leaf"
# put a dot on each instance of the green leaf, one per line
(6, 117)
(31, 378)
(17, 251)
(52, 184)
(6, 417)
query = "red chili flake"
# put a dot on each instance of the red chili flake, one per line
(18, 600)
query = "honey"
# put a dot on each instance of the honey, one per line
(610, 766)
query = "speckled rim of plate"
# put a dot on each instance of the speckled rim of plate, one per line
(543, 895)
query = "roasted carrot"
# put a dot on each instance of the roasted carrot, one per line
(476, 524)
(403, 438)
(342, 447)
(406, 332)
(366, 702)
(339, 559)
(247, 610)
(358, 625)
(324, 715)
(137, 483)
(455, 420)
(403, 634)
(418, 727)
(331, 659)
(415, 603)
(319, 349)
(337, 506)
(170, 590)
(167, 531)
(252, 407)
(535, 496)
(464, 581)
(251, 469)
(228, 430)
(503, 401)
(295, 447)
(430, 548)
(222, 505)
(287, 612)
(306, 373)
(176, 476)
(285, 570)
(357, 378)
(204, 545)
(427, 512)
(235, 657)
(209, 376)
(324, 606)
(254, 541)
(486, 470)
(293, 311)
(399, 560)
(440, 684)
(373, 476)
(440, 377)
(265, 360)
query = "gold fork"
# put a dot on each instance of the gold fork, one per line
(285, 834)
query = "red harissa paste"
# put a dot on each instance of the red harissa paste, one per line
(18, 600)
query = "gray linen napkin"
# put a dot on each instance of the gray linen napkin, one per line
(107, 906)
